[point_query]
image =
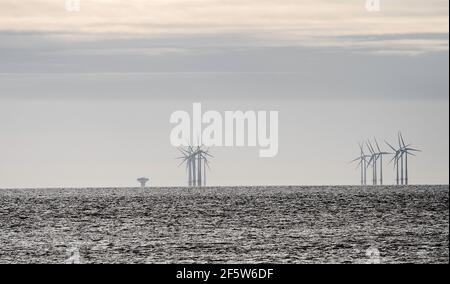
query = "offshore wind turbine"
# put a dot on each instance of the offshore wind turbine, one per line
(380, 155)
(196, 160)
(395, 159)
(202, 155)
(189, 159)
(406, 150)
(362, 163)
(373, 161)
(401, 159)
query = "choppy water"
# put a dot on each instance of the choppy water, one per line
(221, 225)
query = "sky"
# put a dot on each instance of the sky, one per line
(86, 97)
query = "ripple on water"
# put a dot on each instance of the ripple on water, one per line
(225, 225)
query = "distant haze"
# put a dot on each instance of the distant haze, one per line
(85, 98)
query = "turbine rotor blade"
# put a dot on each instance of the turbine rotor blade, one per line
(401, 138)
(352, 161)
(376, 143)
(390, 146)
(412, 149)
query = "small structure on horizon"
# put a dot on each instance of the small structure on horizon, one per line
(143, 181)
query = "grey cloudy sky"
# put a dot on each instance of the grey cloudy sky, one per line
(85, 98)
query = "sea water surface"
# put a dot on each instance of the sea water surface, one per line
(226, 225)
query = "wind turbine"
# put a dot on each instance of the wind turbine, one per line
(373, 161)
(401, 159)
(193, 157)
(202, 155)
(362, 162)
(189, 159)
(405, 150)
(397, 154)
(380, 155)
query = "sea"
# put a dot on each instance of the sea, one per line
(279, 224)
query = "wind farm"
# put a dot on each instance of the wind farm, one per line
(196, 160)
(373, 158)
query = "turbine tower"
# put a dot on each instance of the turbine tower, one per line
(380, 155)
(202, 155)
(405, 151)
(373, 161)
(189, 159)
(199, 166)
(362, 163)
(395, 159)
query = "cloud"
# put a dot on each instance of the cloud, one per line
(312, 39)
(288, 22)
(95, 70)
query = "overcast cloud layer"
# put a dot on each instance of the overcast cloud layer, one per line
(400, 52)
(285, 19)
(406, 26)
